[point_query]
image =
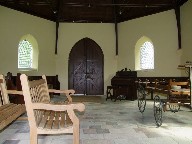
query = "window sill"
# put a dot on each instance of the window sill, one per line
(27, 69)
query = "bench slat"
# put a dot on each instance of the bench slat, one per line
(9, 111)
(68, 120)
(50, 121)
(57, 120)
(8, 108)
(44, 119)
(62, 122)
(5, 106)
(11, 117)
(9, 114)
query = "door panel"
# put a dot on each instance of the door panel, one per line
(86, 68)
(94, 68)
(77, 68)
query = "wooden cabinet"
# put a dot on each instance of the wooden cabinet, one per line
(124, 88)
(124, 83)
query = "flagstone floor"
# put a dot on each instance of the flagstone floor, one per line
(117, 122)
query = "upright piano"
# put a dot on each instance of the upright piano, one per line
(124, 85)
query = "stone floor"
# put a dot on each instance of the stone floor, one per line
(117, 122)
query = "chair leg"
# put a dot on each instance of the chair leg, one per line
(33, 137)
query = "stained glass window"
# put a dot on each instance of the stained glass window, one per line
(147, 56)
(25, 54)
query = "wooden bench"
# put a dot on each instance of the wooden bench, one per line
(179, 94)
(150, 86)
(14, 83)
(49, 118)
(159, 85)
(8, 111)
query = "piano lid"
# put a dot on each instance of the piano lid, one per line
(127, 74)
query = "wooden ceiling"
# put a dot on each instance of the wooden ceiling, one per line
(91, 11)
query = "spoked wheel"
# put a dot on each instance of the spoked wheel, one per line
(141, 97)
(158, 110)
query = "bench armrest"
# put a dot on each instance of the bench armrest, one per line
(59, 107)
(71, 91)
(14, 92)
(66, 92)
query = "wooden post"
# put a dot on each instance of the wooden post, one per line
(56, 40)
(177, 13)
(116, 28)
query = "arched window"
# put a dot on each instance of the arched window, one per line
(147, 56)
(25, 55)
(144, 54)
(28, 53)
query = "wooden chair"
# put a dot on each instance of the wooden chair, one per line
(8, 111)
(45, 117)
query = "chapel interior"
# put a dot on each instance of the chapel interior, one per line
(103, 50)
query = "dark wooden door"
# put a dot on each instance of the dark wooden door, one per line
(86, 68)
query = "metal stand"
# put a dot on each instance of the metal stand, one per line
(141, 97)
(190, 80)
(189, 66)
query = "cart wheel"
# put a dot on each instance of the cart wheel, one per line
(158, 110)
(141, 97)
(174, 107)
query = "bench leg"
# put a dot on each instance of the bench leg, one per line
(76, 134)
(33, 137)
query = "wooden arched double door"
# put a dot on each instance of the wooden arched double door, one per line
(86, 68)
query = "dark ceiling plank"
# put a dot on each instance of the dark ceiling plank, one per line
(91, 11)
(181, 2)
(117, 4)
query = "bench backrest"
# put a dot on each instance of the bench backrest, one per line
(4, 99)
(35, 91)
(184, 84)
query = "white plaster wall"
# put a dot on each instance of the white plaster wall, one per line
(102, 34)
(186, 31)
(161, 28)
(14, 25)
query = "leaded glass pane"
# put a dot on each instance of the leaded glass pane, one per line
(147, 56)
(25, 53)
